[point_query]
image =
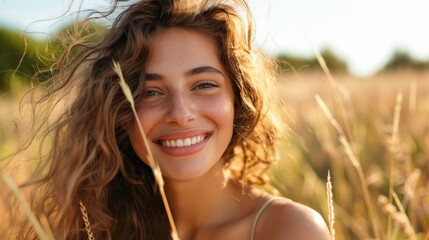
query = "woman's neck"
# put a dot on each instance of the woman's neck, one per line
(203, 202)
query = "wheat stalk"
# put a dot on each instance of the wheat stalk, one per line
(405, 221)
(393, 143)
(355, 162)
(153, 164)
(331, 213)
(396, 118)
(44, 233)
(399, 217)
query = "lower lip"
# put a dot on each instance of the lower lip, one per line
(184, 151)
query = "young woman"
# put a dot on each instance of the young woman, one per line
(203, 96)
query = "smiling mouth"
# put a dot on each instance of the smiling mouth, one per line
(183, 142)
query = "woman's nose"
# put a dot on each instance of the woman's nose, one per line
(180, 110)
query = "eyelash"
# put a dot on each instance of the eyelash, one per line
(206, 84)
(150, 93)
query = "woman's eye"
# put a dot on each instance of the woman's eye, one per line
(206, 85)
(150, 93)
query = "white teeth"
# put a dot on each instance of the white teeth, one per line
(183, 142)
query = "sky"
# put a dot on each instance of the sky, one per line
(365, 33)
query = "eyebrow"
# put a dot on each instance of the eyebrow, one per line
(191, 72)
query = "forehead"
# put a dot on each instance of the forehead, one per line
(176, 47)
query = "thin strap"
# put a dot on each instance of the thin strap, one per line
(258, 215)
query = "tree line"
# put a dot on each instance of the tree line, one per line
(399, 60)
(23, 58)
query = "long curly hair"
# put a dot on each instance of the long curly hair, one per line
(90, 158)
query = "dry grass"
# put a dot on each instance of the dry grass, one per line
(392, 151)
(152, 162)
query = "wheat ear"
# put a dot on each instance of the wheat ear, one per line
(153, 164)
(330, 200)
(86, 221)
(355, 162)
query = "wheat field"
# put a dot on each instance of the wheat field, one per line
(371, 135)
(375, 144)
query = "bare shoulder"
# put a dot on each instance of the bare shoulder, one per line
(285, 219)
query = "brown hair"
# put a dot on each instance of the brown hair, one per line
(90, 157)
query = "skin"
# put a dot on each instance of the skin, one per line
(189, 94)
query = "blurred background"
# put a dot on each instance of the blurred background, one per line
(365, 120)
(352, 30)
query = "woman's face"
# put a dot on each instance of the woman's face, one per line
(187, 112)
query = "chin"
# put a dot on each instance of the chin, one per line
(190, 172)
(185, 175)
